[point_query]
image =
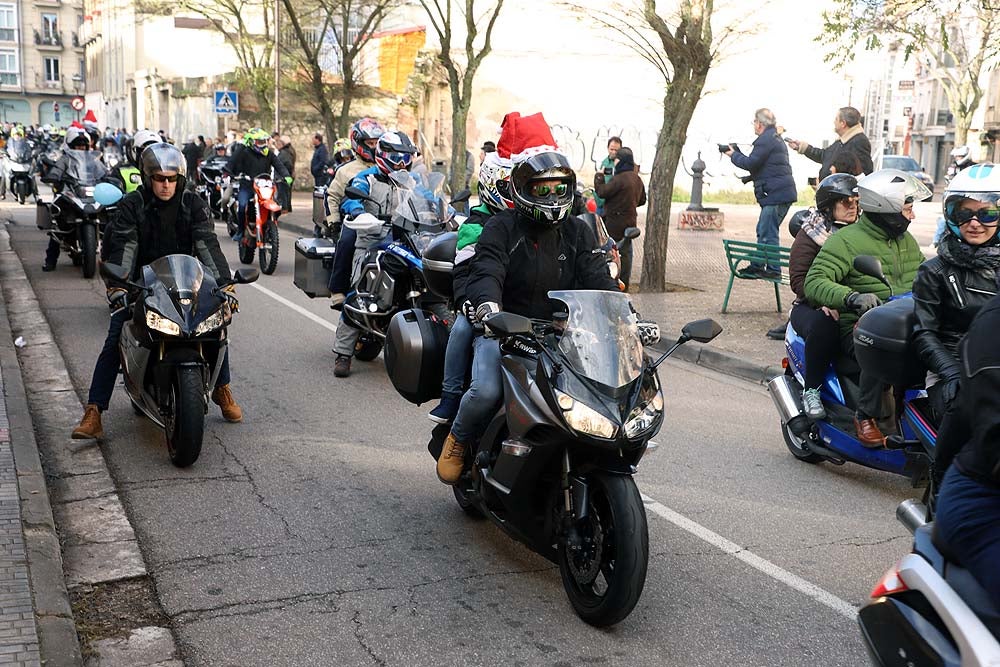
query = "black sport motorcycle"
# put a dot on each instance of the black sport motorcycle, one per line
(173, 346)
(211, 183)
(554, 467)
(74, 217)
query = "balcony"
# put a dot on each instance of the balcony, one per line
(51, 41)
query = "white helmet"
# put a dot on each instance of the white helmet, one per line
(75, 134)
(888, 190)
(980, 182)
(142, 139)
(961, 152)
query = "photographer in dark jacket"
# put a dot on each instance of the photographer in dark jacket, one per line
(850, 138)
(158, 219)
(622, 195)
(522, 254)
(773, 185)
(950, 289)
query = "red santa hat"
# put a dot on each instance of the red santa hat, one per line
(519, 133)
(90, 117)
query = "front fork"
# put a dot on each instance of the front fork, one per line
(575, 500)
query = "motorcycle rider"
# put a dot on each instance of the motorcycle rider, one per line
(364, 136)
(394, 152)
(158, 219)
(76, 140)
(522, 254)
(836, 207)
(951, 288)
(127, 177)
(494, 197)
(886, 199)
(961, 158)
(253, 158)
(967, 516)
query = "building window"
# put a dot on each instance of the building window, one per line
(8, 23)
(50, 29)
(51, 70)
(8, 68)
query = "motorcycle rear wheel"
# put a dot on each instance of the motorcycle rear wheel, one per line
(186, 426)
(231, 226)
(269, 258)
(798, 447)
(88, 248)
(367, 348)
(605, 579)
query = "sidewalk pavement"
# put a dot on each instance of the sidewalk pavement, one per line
(698, 273)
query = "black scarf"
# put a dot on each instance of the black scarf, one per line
(954, 250)
(166, 214)
(893, 224)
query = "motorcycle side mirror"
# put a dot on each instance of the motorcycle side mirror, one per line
(632, 232)
(508, 324)
(870, 266)
(245, 276)
(114, 271)
(354, 193)
(463, 195)
(106, 194)
(701, 331)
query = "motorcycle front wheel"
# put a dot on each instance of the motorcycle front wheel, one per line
(185, 426)
(268, 255)
(88, 248)
(367, 348)
(605, 574)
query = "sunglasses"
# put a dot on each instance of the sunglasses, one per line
(543, 190)
(160, 178)
(986, 216)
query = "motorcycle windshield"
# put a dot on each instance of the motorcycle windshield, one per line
(601, 337)
(84, 167)
(180, 275)
(19, 150)
(420, 202)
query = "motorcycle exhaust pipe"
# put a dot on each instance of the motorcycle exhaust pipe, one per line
(912, 513)
(787, 397)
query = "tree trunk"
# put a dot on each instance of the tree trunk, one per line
(347, 96)
(460, 115)
(679, 103)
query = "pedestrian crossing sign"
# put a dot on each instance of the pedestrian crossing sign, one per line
(227, 102)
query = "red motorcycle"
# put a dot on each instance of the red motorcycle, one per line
(260, 232)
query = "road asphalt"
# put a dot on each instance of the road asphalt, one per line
(315, 531)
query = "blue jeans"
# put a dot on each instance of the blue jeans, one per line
(484, 395)
(102, 384)
(968, 520)
(457, 356)
(242, 201)
(768, 223)
(343, 261)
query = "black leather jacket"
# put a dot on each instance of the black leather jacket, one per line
(946, 297)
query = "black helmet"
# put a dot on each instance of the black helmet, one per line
(162, 157)
(832, 189)
(546, 164)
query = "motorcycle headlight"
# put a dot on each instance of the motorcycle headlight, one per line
(584, 419)
(219, 318)
(643, 418)
(158, 322)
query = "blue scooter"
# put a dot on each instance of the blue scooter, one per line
(881, 341)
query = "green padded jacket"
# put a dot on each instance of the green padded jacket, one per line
(832, 276)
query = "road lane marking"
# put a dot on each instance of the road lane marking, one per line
(297, 308)
(701, 532)
(753, 560)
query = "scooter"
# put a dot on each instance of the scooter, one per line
(17, 170)
(927, 610)
(881, 346)
(173, 346)
(554, 466)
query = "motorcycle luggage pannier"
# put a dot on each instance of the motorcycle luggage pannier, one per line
(43, 216)
(319, 205)
(414, 354)
(313, 265)
(883, 347)
(439, 262)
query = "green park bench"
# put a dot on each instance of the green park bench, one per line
(740, 254)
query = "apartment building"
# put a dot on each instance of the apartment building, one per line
(41, 60)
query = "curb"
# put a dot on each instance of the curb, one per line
(58, 641)
(702, 355)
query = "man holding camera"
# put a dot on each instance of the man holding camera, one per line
(773, 185)
(850, 139)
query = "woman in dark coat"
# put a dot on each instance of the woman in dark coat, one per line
(623, 194)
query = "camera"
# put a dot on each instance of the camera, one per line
(608, 171)
(724, 148)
